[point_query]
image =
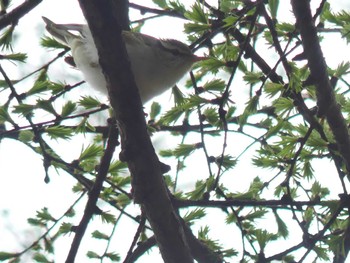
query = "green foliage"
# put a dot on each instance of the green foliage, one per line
(59, 132)
(161, 3)
(155, 110)
(281, 225)
(108, 218)
(181, 150)
(194, 215)
(5, 255)
(68, 109)
(113, 256)
(6, 38)
(263, 237)
(38, 257)
(65, 228)
(246, 140)
(89, 102)
(90, 152)
(21, 57)
(99, 235)
(273, 7)
(49, 42)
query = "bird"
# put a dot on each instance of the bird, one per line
(157, 64)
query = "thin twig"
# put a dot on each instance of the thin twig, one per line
(91, 207)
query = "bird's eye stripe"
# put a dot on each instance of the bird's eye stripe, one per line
(175, 51)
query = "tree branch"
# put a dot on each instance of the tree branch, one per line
(17, 13)
(91, 207)
(149, 188)
(326, 101)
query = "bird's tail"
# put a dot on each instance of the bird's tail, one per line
(62, 31)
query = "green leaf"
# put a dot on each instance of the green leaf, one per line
(117, 167)
(161, 3)
(283, 105)
(204, 237)
(251, 108)
(252, 77)
(42, 76)
(59, 132)
(46, 105)
(179, 97)
(21, 57)
(26, 136)
(322, 253)
(50, 42)
(275, 128)
(5, 255)
(6, 38)
(197, 14)
(318, 191)
(44, 215)
(227, 161)
(230, 21)
(24, 109)
(113, 256)
(282, 227)
(38, 257)
(186, 149)
(211, 115)
(342, 69)
(195, 214)
(4, 115)
(258, 214)
(345, 32)
(92, 151)
(155, 110)
(177, 6)
(38, 87)
(92, 254)
(172, 115)
(34, 222)
(273, 88)
(89, 102)
(84, 126)
(212, 64)
(108, 218)
(198, 192)
(285, 27)
(99, 235)
(196, 28)
(273, 7)
(263, 237)
(308, 171)
(55, 87)
(122, 200)
(228, 5)
(68, 109)
(215, 85)
(65, 228)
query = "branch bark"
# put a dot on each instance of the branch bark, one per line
(326, 102)
(17, 13)
(149, 189)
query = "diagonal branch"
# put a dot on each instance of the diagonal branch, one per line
(326, 101)
(13, 16)
(149, 188)
(91, 207)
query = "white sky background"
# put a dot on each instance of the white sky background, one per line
(23, 190)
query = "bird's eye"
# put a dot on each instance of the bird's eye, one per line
(175, 52)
